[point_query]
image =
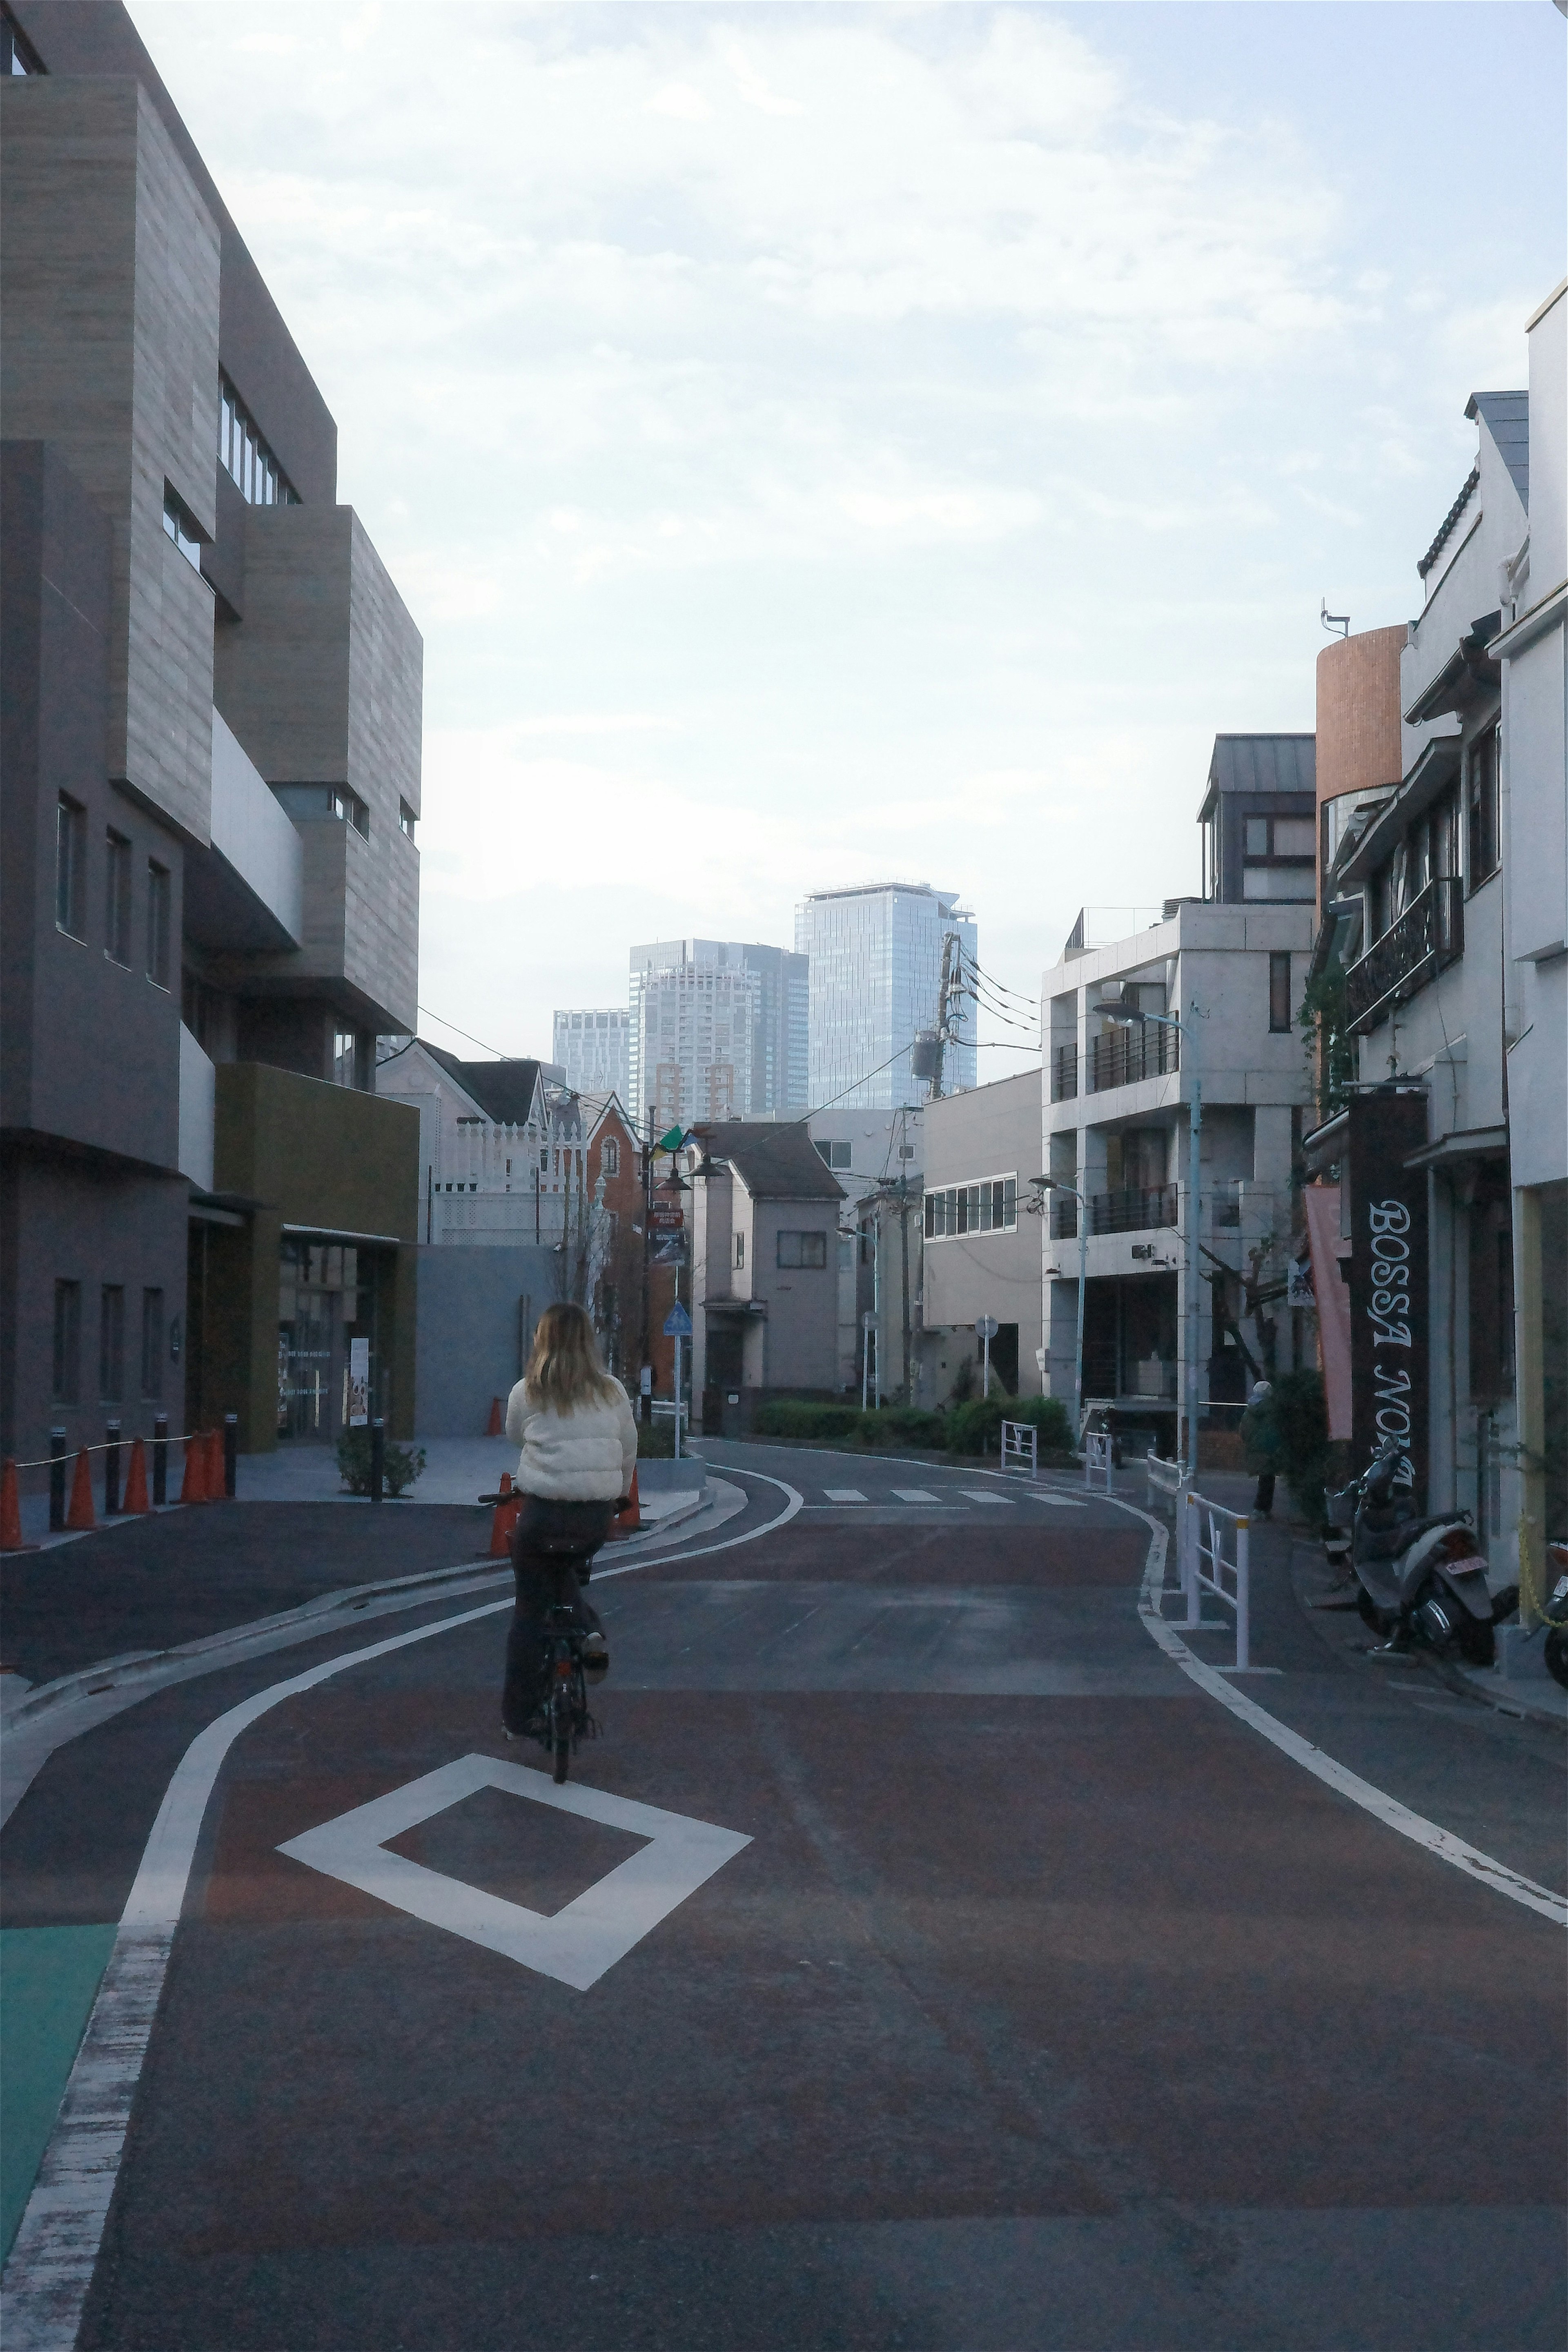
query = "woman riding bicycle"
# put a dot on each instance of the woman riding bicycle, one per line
(578, 1450)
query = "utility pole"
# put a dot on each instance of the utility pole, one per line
(646, 1399)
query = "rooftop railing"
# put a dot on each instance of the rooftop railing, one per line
(1427, 936)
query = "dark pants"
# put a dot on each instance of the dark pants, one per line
(553, 1547)
(1263, 1501)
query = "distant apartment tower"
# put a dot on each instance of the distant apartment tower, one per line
(592, 1046)
(717, 1029)
(874, 956)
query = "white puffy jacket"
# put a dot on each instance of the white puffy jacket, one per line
(586, 1455)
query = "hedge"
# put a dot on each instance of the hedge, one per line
(971, 1428)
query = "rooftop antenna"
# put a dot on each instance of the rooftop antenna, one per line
(1332, 621)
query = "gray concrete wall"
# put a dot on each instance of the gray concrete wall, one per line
(993, 1130)
(475, 1314)
(111, 265)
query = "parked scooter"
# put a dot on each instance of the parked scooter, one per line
(1420, 1581)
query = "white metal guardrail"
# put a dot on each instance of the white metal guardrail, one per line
(1200, 1533)
(1021, 1447)
(1097, 1457)
(1166, 1488)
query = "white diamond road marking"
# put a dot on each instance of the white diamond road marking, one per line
(913, 1494)
(844, 1494)
(984, 1495)
(579, 1943)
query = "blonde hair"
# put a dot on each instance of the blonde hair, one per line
(564, 1368)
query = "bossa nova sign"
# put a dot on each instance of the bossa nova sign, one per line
(1390, 1306)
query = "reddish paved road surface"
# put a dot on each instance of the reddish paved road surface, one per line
(1048, 2005)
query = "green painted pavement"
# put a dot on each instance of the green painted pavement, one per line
(49, 1980)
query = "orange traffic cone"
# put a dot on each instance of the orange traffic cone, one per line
(80, 1513)
(10, 1512)
(194, 1483)
(497, 1427)
(136, 1479)
(218, 1483)
(507, 1505)
(631, 1517)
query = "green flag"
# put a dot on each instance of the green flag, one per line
(671, 1142)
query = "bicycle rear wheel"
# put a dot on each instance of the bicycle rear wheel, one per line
(560, 1728)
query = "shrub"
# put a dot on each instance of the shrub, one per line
(976, 1427)
(400, 1465)
(1050, 1417)
(1288, 1431)
(656, 1440)
(788, 1417)
(904, 1425)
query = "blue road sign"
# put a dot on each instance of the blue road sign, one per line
(678, 1323)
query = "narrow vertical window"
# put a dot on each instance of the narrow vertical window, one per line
(112, 1343)
(152, 1343)
(117, 898)
(1482, 809)
(70, 866)
(1279, 993)
(68, 1342)
(157, 923)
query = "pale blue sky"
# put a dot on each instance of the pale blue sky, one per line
(823, 444)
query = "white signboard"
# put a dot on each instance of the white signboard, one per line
(359, 1383)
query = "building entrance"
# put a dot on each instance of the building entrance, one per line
(328, 1295)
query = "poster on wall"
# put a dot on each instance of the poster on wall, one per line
(358, 1414)
(1391, 1325)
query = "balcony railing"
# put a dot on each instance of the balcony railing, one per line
(1123, 1057)
(1064, 1072)
(1064, 1221)
(1132, 1212)
(1428, 936)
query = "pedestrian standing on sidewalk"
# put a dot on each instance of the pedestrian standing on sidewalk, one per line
(1263, 1500)
(578, 1451)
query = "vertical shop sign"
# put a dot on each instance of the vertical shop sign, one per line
(358, 1414)
(1391, 1324)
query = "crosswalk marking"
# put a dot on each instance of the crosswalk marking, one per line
(984, 1495)
(844, 1494)
(914, 1494)
(1062, 1502)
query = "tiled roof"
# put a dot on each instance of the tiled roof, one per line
(1264, 763)
(504, 1091)
(1506, 415)
(774, 1163)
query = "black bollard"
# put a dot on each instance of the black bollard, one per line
(57, 1481)
(112, 1469)
(377, 1459)
(230, 1452)
(160, 1460)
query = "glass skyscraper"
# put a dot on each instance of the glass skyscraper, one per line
(876, 968)
(590, 1044)
(717, 1028)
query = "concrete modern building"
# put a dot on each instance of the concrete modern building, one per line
(876, 958)
(1259, 821)
(764, 1221)
(211, 778)
(717, 1030)
(982, 1242)
(592, 1046)
(1116, 1128)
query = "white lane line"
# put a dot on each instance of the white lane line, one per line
(1383, 1807)
(914, 1494)
(844, 1494)
(575, 1945)
(984, 1495)
(54, 2253)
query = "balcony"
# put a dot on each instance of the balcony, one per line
(1134, 1212)
(1124, 1058)
(1064, 1072)
(1064, 1221)
(1427, 936)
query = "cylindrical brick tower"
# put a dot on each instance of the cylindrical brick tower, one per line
(1359, 748)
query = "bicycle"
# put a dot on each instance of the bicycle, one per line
(565, 1709)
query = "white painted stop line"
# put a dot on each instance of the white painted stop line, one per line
(575, 1946)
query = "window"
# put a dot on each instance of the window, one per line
(325, 801)
(1279, 993)
(803, 1249)
(351, 1059)
(1279, 858)
(16, 55)
(836, 1155)
(991, 1206)
(180, 525)
(245, 456)
(906, 1152)
(112, 1343)
(611, 1156)
(70, 866)
(740, 1251)
(68, 1342)
(152, 1343)
(117, 899)
(157, 923)
(1482, 809)
(407, 821)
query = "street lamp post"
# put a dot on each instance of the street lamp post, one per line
(1052, 1185)
(1187, 1032)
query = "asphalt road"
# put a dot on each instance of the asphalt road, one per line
(975, 1980)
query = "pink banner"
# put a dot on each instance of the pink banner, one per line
(1331, 1291)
